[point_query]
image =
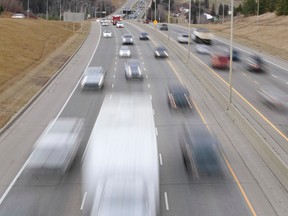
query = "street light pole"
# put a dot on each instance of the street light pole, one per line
(47, 10)
(28, 11)
(189, 32)
(199, 13)
(231, 56)
(168, 18)
(60, 11)
(155, 11)
(155, 14)
(257, 10)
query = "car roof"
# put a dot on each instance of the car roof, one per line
(133, 62)
(94, 70)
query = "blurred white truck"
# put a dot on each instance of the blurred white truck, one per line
(56, 148)
(202, 35)
(120, 168)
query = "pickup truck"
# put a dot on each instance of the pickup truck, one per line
(202, 35)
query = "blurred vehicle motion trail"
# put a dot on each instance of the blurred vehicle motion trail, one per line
(120, 169)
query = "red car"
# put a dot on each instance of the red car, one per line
(220, 62)
(146, 21)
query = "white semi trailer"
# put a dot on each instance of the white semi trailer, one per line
(120, 169)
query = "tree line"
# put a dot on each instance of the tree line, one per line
(40, 7)
(248, 7)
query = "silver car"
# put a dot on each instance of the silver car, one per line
(133, 69)
(124, 51)
(183, 38)
(273, 96)
(93, 77)
(127, 39)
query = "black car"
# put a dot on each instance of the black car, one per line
(255, 64)
(164, 27)
(144, 36)
(199, 151)
(235, 55)
(161, 52)
(179, 97)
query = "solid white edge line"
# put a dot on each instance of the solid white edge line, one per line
(25, 164)
(156, 131)
(83, 201)
(166, 201)
(160, 159)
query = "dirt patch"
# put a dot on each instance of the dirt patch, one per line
(31, 53)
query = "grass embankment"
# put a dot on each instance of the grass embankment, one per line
(31, 52)
(269, 34)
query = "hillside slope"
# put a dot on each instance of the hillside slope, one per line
(268, 35)
(31, 52)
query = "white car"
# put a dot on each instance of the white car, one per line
(203, 49)
(18, 16)
(119, 25)
(93, 77)
(183, 38)
(124, 51)
(133, 69)
(107, 34)
(105, 23)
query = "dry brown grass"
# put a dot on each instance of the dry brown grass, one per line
(268, 35)
(31, 52)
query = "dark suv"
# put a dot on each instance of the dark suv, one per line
(164, 27)
(199, 149)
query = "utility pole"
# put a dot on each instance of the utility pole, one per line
(28, 10)
(47, 10)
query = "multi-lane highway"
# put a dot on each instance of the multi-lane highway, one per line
(246, 185)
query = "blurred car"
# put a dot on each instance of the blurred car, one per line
(119, 25)
(179, 97)
(199, 150)
(160, 52)
(235, 55)
(124, 51)
(144, 36)
(255, 63)
(274, 96)
(57, 147)
(93, 77)
(18, 16)
(146, 21)
(105, 23)
(163, 27)
(107, 34)
(203, 49)
(133, 69)
(220, 61)
(183, 38)
(127, 39)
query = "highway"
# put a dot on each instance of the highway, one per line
(246, 185)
